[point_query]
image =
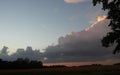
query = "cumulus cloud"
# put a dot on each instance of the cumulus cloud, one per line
(101, 18)
(75, 1)
(82, 46)
(4, 53)
(21, 53)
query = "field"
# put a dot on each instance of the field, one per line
(83, 70)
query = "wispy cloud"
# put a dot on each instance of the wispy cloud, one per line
(75, 1)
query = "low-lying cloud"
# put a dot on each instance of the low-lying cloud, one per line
(21, 53)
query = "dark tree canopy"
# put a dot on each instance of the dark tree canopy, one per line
(113, 37)
(20, 63)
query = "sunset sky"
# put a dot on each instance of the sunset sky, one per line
(39, 23)
(66, 29)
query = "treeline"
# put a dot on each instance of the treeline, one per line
(20, 63)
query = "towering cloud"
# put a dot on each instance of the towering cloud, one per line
(82, 46)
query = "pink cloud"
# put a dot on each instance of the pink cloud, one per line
(75, 1)
(99, 19)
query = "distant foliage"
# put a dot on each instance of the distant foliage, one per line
(117, 64)
(20, 64)
(113, 37)
(55, 66)
(96, 65)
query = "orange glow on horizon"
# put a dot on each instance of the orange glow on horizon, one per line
(104, 62)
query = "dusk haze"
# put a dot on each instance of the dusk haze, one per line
(55, 32)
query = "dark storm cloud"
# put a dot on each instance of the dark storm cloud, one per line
(82, 46)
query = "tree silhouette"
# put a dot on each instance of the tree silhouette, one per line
(0, 60)
(20, 63)
(113, 37)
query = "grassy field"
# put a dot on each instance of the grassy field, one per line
(100, 70)
(63, 73)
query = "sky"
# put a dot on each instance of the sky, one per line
(39, 23)
(60, 28)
